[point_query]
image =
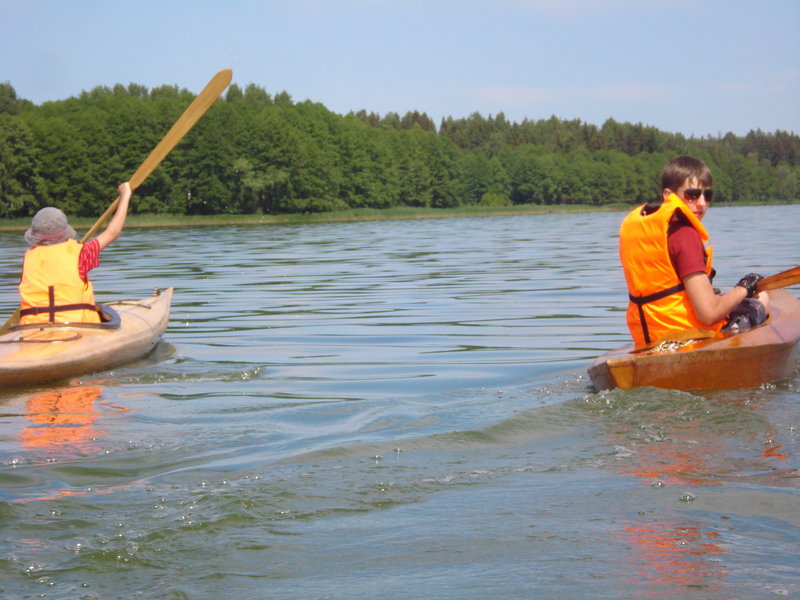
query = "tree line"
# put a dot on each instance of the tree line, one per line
(254, 152)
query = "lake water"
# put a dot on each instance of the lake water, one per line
(397, 409)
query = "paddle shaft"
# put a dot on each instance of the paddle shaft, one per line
(185, 122)
(780, 280)
(190, 116)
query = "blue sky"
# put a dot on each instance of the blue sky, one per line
(690, 66)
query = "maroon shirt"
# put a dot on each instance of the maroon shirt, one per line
(686, 250)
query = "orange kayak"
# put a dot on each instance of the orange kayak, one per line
(768, 352)
(32, 354)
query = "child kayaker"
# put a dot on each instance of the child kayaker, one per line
(55, 284)
(668, 270)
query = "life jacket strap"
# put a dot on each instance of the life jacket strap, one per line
(52, 309)
(640, 301)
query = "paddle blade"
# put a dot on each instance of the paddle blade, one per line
(185, 122)
(10, 322)
(190, 116)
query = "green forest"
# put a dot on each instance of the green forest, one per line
(257, 153)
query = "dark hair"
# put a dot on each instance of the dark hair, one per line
(682, 168)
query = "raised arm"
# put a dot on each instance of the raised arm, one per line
(117, 222)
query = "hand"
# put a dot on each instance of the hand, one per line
(124, 190)
(749, 281)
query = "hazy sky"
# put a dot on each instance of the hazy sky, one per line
(690, 66)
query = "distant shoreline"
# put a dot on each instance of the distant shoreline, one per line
(345, 216)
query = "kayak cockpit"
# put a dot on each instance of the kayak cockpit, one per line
(109, 320)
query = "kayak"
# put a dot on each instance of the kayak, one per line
(32, 354)
(765, 353)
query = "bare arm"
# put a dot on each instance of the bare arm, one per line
(117, 222)
(710, 307)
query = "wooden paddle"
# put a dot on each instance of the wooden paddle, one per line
(780, 280)
(190, 116)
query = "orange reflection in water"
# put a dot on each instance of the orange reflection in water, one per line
(675, 553)
(670, 554)
(676, 461)
(686, 448)
(62, 424)
(62, 418)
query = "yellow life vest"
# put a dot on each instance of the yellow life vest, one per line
(51, 289)
(658, 303)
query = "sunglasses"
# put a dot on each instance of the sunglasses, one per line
(693, 194)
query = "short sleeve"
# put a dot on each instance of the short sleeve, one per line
(89, 258)
(686, 251)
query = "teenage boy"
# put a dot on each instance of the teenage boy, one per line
(668, 268)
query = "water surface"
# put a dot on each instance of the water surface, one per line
(397, 409)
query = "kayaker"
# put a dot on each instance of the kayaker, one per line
(668, 270)
(55, 284)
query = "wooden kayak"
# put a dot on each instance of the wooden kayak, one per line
(32, 354)
(765, 353)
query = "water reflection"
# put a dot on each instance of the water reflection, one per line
(63, 420)
(667, 553)
(676, 438)
(681, 443)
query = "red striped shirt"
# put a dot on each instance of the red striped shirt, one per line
(89, 258)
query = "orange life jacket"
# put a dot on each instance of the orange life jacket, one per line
(658, 303)
(51, 289)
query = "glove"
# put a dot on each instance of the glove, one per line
(749, 282)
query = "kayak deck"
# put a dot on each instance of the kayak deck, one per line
(31, 354)
(765, 353)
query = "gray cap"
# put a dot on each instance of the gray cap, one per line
(49, 226)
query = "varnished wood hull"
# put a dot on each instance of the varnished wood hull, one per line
(766, 353)
(37, 354)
